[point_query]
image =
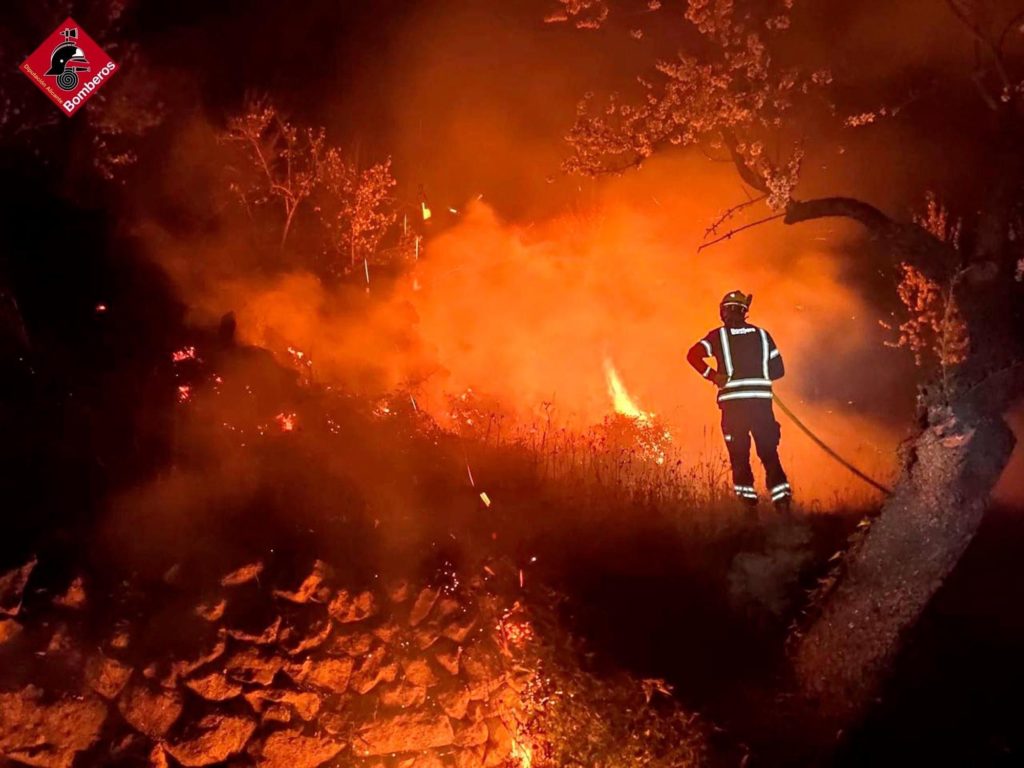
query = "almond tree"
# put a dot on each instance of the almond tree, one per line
(284, 160)
(347, 212)
(357, 207)
(726, 92)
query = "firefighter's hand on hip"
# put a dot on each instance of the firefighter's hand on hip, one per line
(719, 379)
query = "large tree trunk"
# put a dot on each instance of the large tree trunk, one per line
(889, 578)
(884, 582)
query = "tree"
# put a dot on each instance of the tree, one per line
(357, 209)
(285, 161)
(350, 212)
(727, 92)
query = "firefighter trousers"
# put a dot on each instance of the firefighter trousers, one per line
(742, 419)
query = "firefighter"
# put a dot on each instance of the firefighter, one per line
(747, 362)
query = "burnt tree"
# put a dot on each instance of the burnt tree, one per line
(726, 93)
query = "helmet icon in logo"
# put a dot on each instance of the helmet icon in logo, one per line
(66, 60)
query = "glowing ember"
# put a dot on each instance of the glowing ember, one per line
(287, 422)
(184, 393)
(101, 307)
(621, 399)
(300, 357)
(485, 499)
(183, 354)
(516, 629)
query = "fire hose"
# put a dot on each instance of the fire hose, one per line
(821, 444)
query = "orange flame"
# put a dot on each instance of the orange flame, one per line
(287, 421)
(622, 401)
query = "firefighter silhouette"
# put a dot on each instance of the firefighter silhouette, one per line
(66, 59)
(748, 361)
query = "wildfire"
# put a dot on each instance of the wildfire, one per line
(287, 422)
(622, 401)
(300, 357)
(516, 630)
(183, 354)
(521, 753)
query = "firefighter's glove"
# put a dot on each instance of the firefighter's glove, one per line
(719, 379)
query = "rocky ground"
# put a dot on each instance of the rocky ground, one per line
(298, 676)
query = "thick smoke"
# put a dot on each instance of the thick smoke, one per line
(540, 279)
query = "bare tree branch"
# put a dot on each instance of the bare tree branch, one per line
(729, 213)
(728, 235)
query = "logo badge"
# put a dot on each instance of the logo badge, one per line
(69, 67)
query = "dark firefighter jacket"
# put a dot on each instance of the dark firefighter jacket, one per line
(747, 355)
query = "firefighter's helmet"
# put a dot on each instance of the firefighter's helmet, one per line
(737, 299)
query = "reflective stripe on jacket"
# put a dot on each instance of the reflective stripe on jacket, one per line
(747, 355)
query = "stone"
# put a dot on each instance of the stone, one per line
(454, 703)
(402, 695)
(418, 672)
(121, 638)
(446, 608)
(427, 761)
(243, 575)
(48, 735)
(211, 611)
(305, 704)
(60, 640)
(480, 664)
(296, 641)
(214, 686)
(373, 671)
(251, 665)
(9, 629)
(309, 586)
(158, 757)
(459, 628)
(404, 733)
(267, 636)
(468, 758)
(426, 635)
(210, 653)
(73, 597)
(106, 676)
(150, 711)
(216, 738)
(471, 734)
(398, 591)
(12, 588)
(339, 724)
(387, 633)
(423, 605)
(330, 674)
(357, 644)
(172, 575)
(292, 749)
(276, 713)
(449, 659)
(499, 741)
(346, 609)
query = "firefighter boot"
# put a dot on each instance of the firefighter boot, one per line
(749, 509)
(783, 506)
